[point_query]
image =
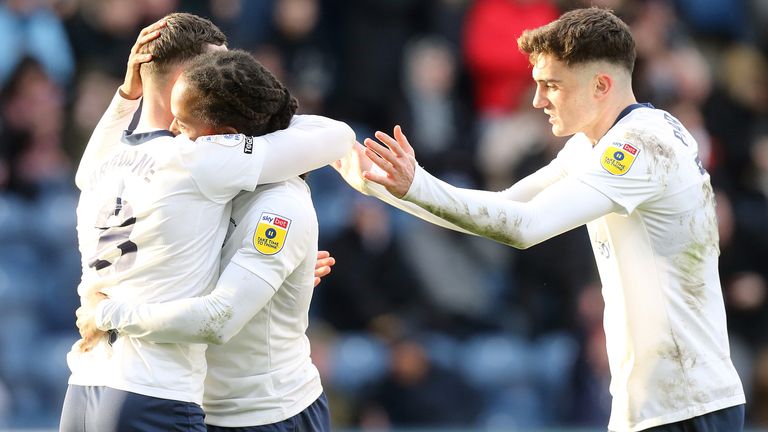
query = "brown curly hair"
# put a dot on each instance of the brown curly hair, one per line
(581, 36)
(231, 88)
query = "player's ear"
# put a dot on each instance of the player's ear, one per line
(602, 84)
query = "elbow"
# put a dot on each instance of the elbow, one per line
(217, 339)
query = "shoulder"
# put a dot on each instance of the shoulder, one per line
(290, 199)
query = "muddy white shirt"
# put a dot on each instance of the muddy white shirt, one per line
(152, 211)
(664, 317)
(650, 213)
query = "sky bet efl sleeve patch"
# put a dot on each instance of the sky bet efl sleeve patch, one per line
(618, 158)
(228, 140)
(269, 237)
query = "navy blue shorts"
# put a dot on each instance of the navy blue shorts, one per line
(316, 418)
(728, 419)
(104, 409)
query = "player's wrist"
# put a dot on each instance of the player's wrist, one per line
(127, 94)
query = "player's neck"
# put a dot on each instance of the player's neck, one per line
(155, 111)
(608, 116)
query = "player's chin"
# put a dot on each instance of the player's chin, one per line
(558, 131)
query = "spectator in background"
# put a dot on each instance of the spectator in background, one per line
(32, 109)
(439, 121)
(371, 33)
(29, 28)
(508, 129)
(372, 282)
(738, 102)
(500, 73)
(301, 48)
(416, 392)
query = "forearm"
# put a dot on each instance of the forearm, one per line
(380, 192)
(311, 142)
(561, 207)
(214, 318)
(530, 186)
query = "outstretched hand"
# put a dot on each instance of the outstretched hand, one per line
(132, 87)
(396, 159)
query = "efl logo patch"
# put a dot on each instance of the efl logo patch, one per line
(618, 158)
(248, 148)
(228, 140)
(270, 233)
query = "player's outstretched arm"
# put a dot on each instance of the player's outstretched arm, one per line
(560, 207)
(118, 115)
(353, 166)
(214, 318)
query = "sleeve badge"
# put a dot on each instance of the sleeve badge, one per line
(618, 158)
(270, 234)
(228, 140)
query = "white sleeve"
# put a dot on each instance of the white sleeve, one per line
(214, 318)
(224, 165)
(280, 233)
(522, 191)
(562, 206)
(105, 136)
(530, 186)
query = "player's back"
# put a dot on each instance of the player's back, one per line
(149, 234)
(264, 374)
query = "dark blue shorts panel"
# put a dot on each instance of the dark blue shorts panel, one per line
(728, 419)
(316, 418)
(122, 411)
(80, 408)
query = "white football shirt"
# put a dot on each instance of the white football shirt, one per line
(264, 374)
(664, 316)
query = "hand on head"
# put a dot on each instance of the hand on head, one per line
(132, 86)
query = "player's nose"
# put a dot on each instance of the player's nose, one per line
(174, 128)
(539, 101)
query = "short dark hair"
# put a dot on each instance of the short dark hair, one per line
(581, 36)
(184, 37)
(231, 88)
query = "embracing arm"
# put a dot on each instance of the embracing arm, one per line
(309, 143)
(214, 318)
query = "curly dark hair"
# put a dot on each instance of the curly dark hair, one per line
(581, 36)
(231, 88)
(184, 37)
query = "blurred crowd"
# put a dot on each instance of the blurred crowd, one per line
(416, 326)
